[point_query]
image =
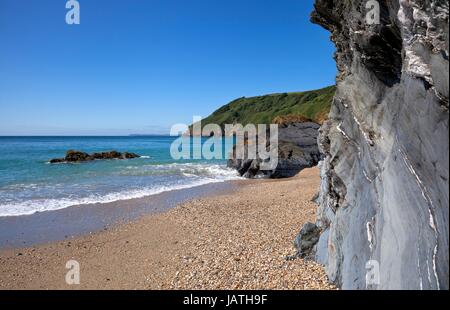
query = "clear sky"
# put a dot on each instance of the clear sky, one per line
(140, 66)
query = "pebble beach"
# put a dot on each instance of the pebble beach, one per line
(238, 240)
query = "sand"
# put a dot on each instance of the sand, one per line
(236, 240)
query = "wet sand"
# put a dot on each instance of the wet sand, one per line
(41, 228)
(237, 239)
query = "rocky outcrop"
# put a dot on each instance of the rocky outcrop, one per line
(306, 240)
(384, 195)
(297, 150)
(77, 156)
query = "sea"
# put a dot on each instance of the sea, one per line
(29, 184)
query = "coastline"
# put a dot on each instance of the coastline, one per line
(234, 239)
(78, 220)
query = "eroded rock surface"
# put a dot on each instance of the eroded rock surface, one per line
(297, 150)
(384, 190)
(306, 240)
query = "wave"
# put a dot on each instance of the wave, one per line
(194, 169)
(195, 175)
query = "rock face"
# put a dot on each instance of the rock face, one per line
(384, 191)
(77, 156)
(297, 150)
(306, 240)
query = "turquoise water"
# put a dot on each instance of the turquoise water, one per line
(29, 184)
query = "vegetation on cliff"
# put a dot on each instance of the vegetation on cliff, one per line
(313, 105)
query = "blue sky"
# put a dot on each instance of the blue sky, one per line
(140, 66)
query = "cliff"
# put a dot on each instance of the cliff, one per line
(297, 115)
(313, 105)
(384, 192)
(297, 150)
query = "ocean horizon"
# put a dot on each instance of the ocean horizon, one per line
(29, 184)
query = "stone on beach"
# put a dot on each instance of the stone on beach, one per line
(306, 240)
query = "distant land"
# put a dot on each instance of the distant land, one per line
(149, 135)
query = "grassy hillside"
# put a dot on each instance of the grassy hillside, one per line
(313, 105)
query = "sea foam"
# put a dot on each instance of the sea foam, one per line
(195, 174)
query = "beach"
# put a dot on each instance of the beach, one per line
(236, 239)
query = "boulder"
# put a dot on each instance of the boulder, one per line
(128, 155)
(77, 156)
(72, 155)
(306, 240)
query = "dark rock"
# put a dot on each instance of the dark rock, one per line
(297, 150)
(306, 240)
(128, 155)
(77, 156)
(72, 155)
(315, 198)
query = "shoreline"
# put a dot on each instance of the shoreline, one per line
(236, 239)
(75, 221)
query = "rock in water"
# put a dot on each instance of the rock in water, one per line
(297, 150)
(384, 192)
(72, 155)
(77, 156)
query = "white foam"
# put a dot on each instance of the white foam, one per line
(212, 174)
